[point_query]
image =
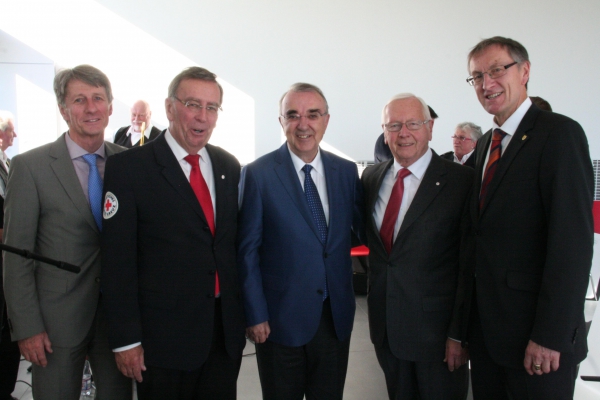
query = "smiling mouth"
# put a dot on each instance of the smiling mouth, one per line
(198, 130)
(303, 136)
(404, 144)
(493, 96)
(93, 120)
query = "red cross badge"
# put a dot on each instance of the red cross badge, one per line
(111, 205)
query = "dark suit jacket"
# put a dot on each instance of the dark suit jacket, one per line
(450, 157)
(531, 244)
(3, 319)
(160, 258)
(280, 255)
(122, 139)
(412, 290)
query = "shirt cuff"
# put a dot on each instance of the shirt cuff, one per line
(131, 346)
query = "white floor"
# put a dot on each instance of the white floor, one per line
(364, 379)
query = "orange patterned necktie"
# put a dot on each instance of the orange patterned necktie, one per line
(490, 168)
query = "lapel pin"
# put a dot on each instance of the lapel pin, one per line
(222, 176)
(524, 137)
(437, 184)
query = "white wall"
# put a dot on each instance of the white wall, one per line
(360, 54)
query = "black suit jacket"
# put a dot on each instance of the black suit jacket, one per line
(450, 157)
(412, 290)
(122, 139)
(159, 257)
(3, 318)
(531, 244)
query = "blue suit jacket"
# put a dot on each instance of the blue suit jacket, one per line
(280, 256)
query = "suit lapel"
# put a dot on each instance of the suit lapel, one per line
(63, 168)
(433, 182)
(373, 195)
(221, 180)
(175, 176)
(332, 179)
(516, 143)
(289, 180)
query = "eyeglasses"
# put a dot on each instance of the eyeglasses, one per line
(195, 107)
(461, 138)
(410, 125)
(493, 73)
(312, 116)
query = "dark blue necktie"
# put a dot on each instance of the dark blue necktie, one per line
(316, 208)
(94, 189)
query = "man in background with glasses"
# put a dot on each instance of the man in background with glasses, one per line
(464, 140)
(170, 278)
(414, 205)
(300, 206)
(531, 236)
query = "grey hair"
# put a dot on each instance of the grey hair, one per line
(5, 118)
(84, 73)
(402, 96)
(472, 129)
(199, 73)
(304, 87)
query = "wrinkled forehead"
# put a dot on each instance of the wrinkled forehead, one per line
(301, 102)
(403, 110)
(489, 57)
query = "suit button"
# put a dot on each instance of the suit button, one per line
(210, 296)
(97, 279)
(206, 228)
(477, 232)
(211, 272)
(320, 291)
(325, 255)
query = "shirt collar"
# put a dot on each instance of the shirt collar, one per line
(3, 156)
(512, 123)
(417, 168)
(179, 151)
(76, 151)
(146, 132)
(317, 163)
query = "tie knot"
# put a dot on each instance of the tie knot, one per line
(403, 173)
(498, 134)
(192, 159)
(90, 159)
(307, 168)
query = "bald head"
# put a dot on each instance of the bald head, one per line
(140, 112)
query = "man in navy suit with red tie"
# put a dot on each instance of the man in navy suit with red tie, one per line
(169, 275)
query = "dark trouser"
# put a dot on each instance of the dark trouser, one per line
(491, 381)
(421, 380)
(216, 379)
(317, 369)
(9, 362)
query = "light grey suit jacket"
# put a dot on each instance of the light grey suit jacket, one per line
(46, 212)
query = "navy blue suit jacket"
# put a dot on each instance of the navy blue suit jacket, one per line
(280, 255)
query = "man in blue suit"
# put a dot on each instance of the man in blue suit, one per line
(300, 204)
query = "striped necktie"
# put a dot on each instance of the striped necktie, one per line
(493, 160)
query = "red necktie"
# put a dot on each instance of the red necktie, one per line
(490, 168)
(391, 212)
(200, 188)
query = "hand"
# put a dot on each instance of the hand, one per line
(131, 362)
(259, 333)
(34, 348)
(456, 355)
(540, 355)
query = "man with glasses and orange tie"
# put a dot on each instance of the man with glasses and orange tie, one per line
(414, 205)
(530, 242)
(464, 140)
(170, 278)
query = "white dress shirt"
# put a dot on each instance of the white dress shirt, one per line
(464, 158)
(318, 176)
(411, 185)
(510, 127)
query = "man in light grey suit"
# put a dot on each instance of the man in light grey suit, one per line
(53, 208)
